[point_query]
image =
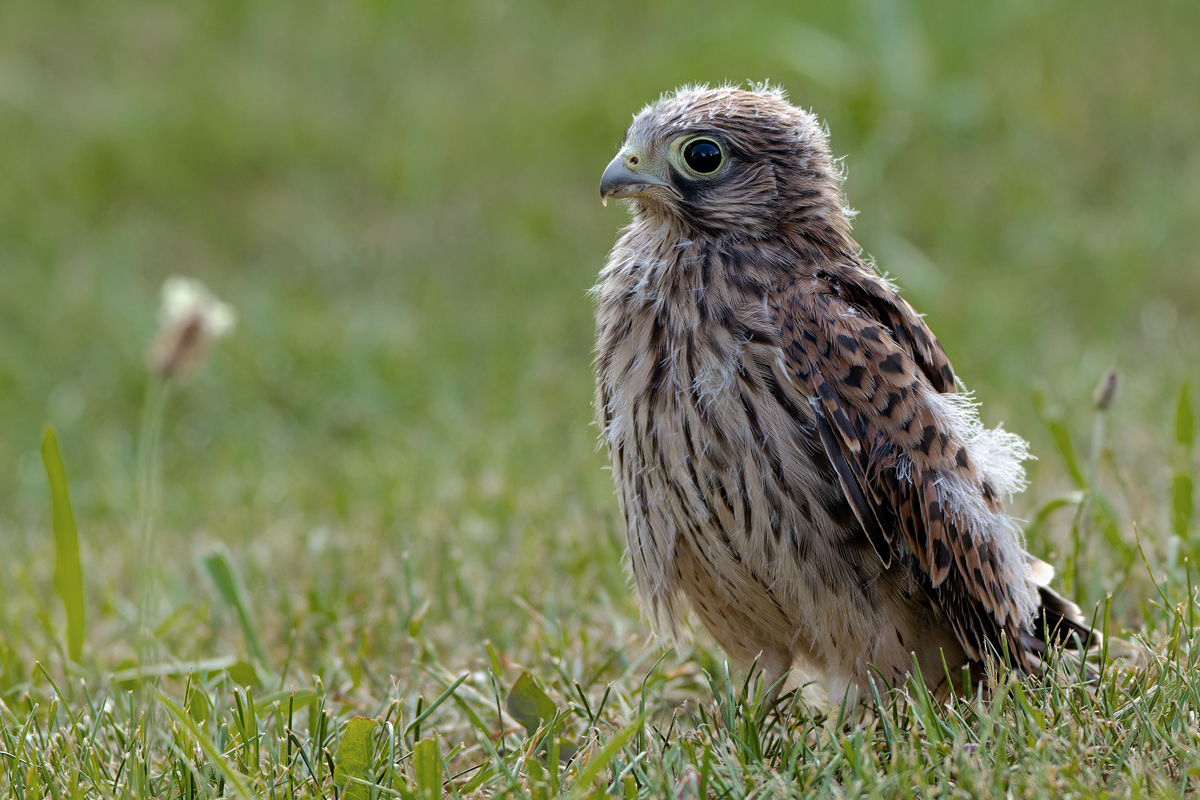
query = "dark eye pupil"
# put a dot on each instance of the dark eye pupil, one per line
(703, 156)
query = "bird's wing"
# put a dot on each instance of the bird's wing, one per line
(878, 381)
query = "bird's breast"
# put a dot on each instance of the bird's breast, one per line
(710, 442)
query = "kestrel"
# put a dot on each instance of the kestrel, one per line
(791, 448)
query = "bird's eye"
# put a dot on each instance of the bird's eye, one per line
(703, 155)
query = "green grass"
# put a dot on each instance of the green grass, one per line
(387, 478)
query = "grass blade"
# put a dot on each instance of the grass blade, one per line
(214, 754)
(1062, 438)
(68, 568)
(599, 761)
(1185, 428)
(228, 583)
(434, 705)
(1181, 504)
(354, 757)
(427, 768)
(528, 704)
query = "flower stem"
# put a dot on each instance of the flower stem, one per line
(148, 473)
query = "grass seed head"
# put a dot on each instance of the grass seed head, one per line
(190, 319)
(1106, 390)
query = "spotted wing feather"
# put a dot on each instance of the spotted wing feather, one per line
(870, 365)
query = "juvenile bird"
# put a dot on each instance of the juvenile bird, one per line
(792, 451)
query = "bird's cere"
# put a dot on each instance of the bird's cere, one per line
(628, 175)
(190, 319)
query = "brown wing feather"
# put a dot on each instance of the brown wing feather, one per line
(868, 361)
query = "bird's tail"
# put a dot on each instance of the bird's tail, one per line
(1057, 620)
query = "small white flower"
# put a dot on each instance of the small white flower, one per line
(185, 298)
(190, 319)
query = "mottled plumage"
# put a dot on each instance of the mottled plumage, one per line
(789, 444)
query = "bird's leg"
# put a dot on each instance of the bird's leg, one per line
(774, 666)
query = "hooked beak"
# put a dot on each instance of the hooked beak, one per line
(625, 176)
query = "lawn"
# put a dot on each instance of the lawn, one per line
(383, 557)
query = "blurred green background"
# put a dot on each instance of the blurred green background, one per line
(400, 199)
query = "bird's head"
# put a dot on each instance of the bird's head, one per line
(727, 160)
